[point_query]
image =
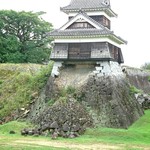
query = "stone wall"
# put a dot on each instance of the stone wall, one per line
(102, 89)
(108, 68)
(138, 78)
(109, 101)
(39, 105)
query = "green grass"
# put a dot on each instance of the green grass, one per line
(7, 140)
(14, 125)
(138, 133)
(137, 137)
(30, 147)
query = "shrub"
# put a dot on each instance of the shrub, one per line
(134, 90)
(50, 102)
(40, 79)
(70, 90)
(149, 79)
(1, 81)
(146, 66)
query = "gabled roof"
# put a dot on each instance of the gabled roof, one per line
(86, 18)
(89, 5)
(98, 31)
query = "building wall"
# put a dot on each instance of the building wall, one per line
(60, 51)
(87, 51)
(100, 50)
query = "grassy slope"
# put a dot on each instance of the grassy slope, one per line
(7, 141)
(17, 83)
(137, 135)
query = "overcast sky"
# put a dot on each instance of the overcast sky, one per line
(132, 23)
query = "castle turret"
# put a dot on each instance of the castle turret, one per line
(87, 35)
(99, 10)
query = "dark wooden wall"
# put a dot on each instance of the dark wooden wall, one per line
(83, 51)
(116, 53)
(77, 25)
(79, 51)
(102, 20)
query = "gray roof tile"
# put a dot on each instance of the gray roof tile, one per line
(71, 33)
(78, 32)
(84, 31)
(85, 4)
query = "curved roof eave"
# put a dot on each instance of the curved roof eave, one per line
(109, 36)
(109, 11)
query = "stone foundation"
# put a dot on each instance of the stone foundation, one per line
(109, 101)
(108, 68)
(102, 89)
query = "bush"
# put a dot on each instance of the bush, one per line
(70, 90)
(134, 90)
(146, 66)
(40, 79)
(149, 79)
(1, 81)
(50, 102)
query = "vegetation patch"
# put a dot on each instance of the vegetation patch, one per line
(135, 137)
(30, 147)
(19, 85)
(138, 133)
(1, 81)
(50, 102)
(14, 125)
(69, 90)
(25, 41)
(149, 79)
(146, 66)
(134, 90)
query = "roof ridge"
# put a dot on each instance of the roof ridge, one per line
(77, 4)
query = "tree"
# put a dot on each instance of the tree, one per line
(146, 66)
(23, 37)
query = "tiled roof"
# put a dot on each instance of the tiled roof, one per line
(84, 31)
(79, 32)
(85, 4)
(72, 33)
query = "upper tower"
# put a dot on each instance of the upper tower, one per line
(99, 10)
(87, 37)
(89, 6)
